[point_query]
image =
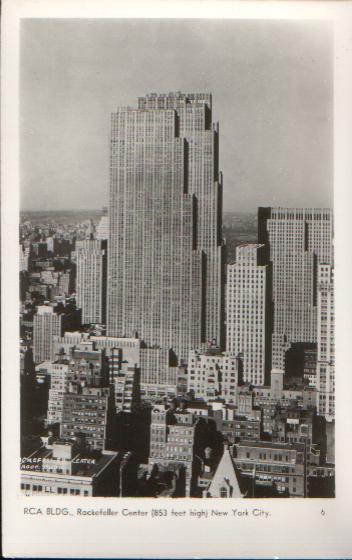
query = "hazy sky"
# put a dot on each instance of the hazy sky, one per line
(272, 95)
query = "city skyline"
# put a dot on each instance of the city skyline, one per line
(130, 369)
(168, 369)
(220, 424)
(274, 106)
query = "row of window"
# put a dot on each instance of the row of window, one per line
(51, 489)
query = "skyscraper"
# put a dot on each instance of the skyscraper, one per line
(91, 280)
(326, 343)
(297, 240)
(46, 325)
(248, 312)
(166, 252)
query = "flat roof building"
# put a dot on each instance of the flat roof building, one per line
(61, 467)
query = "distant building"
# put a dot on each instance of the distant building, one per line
(62, 247)
(58, 283)
(46, 325)
(326, 343)
(248, 312)
(157, 378)
(296, 239)
(120, 350)
(39, 249)
(64, 283)
(91, 280)
(50, 244)
(24, 258)
(102, 230)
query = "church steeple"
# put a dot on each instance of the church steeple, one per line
(225, 480)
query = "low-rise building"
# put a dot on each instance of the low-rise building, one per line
(87, 412)
(212, 375)
(174, 440)
(238, 428)
(64, 468)
(280, 467)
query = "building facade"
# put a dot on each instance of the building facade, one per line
(126, 389)
(91, 280)
(212, 375)
(174, 438)
(46, 325)
(280, 467)
(61, 468)
(86, 414)
(326, 343)
(248, 312)
(296, 241)
(60, 376)
(102, 230)
(166, 251)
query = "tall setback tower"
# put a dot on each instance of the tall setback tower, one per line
(165, 262)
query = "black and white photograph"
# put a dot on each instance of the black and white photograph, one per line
(176, 268)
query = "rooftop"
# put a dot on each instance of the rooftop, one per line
(271, 445)
(86, 464)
